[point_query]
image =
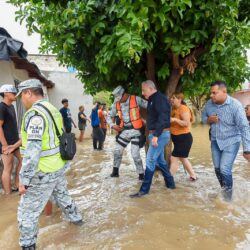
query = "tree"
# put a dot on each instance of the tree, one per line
(176, 43)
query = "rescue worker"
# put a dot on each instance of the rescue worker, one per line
(127, 107)
(42, 172)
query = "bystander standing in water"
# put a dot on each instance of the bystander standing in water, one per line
(97, 133)
(8, 136)
(66, 114)
(229, 127)
(82, 122)
(102, 113)
(181, 119)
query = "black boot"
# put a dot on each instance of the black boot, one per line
(115, 172)
(32, 247)
(78, 223)
(141, 177)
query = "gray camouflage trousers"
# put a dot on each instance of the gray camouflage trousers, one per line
(41, 189)
(124, 138)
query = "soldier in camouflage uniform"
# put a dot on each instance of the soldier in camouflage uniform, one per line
(127, 107)
(42, 172)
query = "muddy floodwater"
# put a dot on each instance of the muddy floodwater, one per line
(193, 216)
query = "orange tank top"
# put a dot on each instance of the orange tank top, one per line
(103, 123)
(175, 128)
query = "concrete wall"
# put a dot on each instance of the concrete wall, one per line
(68, 86)
(8, 73)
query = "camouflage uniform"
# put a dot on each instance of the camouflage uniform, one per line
(127, 135)
(40, 187)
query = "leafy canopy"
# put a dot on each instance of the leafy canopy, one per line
(178, 43)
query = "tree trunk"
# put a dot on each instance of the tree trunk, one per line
(173, 82)
(150, 73)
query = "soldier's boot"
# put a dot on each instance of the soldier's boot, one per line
(78, 223)
(115, 172)
(32, 247)
(141, 177)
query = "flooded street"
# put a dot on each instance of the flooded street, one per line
(192, 216)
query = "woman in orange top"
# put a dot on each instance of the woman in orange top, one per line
(181, 119)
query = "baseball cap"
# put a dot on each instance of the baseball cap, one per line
(28, 84)
(118, 92)
(7, 88)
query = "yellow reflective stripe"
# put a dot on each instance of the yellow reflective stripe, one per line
(133, 110)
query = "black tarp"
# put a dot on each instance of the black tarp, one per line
(10, 47)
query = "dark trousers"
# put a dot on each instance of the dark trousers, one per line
(98, 138)
(104, 133)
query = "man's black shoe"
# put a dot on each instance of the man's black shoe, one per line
(141, 177)
(137, 195)
(78, 223)
(32, 247)
(115, 172)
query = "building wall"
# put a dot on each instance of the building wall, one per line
(68, 86)
(8, 73)
(243, 97)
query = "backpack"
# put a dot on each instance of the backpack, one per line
(67, 140)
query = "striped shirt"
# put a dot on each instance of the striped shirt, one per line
(232, 126)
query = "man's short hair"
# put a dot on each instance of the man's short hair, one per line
(149, 83)
(35, 91)
(64, 100)
(220, 84)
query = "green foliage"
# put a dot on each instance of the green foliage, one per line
(103, 97)
(107, 41)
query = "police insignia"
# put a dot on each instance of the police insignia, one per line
(35, 128)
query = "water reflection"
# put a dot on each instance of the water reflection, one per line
(191, 217)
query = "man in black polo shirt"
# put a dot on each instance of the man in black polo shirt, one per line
(158, 123)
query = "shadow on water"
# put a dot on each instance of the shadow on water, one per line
(193, 216)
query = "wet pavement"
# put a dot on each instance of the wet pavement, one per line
(193, 216)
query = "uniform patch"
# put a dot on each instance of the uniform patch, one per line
(35, 128)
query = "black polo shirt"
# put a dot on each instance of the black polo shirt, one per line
(158, 113)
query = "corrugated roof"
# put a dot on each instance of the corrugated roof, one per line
(32, 69)
(13, 50)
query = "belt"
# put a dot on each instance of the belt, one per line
(153, 130)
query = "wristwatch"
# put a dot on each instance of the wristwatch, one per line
(246, 152)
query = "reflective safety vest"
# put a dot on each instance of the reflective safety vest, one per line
(50, 158)
(134, 113)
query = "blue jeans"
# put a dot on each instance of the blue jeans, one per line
(223, 163)
(155, 156)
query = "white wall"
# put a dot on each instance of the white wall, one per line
(8, 73)
(68, 86)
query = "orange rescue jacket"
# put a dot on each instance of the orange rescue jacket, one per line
(133, 113)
